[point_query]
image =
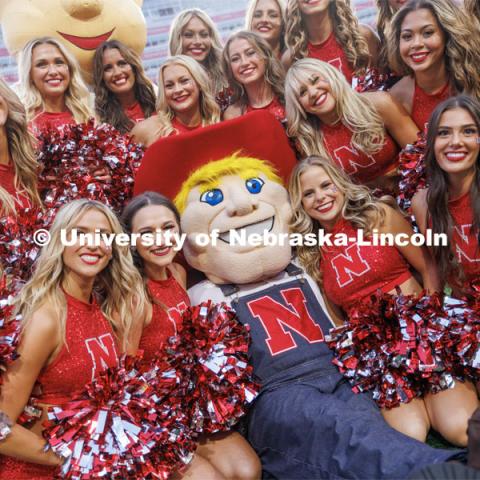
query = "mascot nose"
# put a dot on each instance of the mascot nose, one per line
(83, 9)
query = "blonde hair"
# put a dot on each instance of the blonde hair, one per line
(209, 176)
(359, 207)
(20, 144)
(119, 285)
(354, 110)
(345, 28)
(274, 74)
(212, 62)
(209, 108)
(252, 5)
(462, 56)
(77, 97)
(384, 18)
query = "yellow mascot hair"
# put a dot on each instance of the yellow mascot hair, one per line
(208, 176)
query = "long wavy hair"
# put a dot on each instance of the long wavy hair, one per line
(345, 28)
(107, 105)
(133, 207)
(274, 73)
(252, 5)
(209, 108)
(77, 97)
(462, 56)
(118, 286)
(20, 144)
(437, 195)
(354, 110)
(384, 18)
(213, 62)
(360, 208)
(472, 7)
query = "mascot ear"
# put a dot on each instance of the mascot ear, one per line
(138, 2)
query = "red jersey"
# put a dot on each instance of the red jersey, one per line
(423, 104)
(363, 167)
(331, 51)
(50, 120)
(181, 128)
(166, 316)
(135, 113)
(274, 107)
(90, 348)
(465, 242)
(7, 181)
(354, 271)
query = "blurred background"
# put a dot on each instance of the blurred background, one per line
(229, 15)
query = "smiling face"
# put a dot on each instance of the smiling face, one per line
(84, 263)
(118, 74)
(316, 97)
(49, 72)
(246, 62)
(181, 90)
(422, 42)
(456, 144)
(321, 198)
(81, 26)
(160, 222)
(246, 206)
(267, 20)
(196, 40)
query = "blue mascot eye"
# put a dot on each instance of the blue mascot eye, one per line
(254, 185)
(212, 197)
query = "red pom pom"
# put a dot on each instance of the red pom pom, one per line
(75, 155)
(127, 424)
(412, 170)
(213, 348)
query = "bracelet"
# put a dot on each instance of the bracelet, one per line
(5, 426)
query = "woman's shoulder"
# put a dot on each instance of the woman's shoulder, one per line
(233, 111)
(179, 273)
(402, 91)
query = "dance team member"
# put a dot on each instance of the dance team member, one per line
(255, 75)
(79, 312)
(329, 31)
(267, 19)
(323, 197)
(185, 101)
(50, 85)
(123, 93)
(430, 43)
(361, 133)
(18, 164)
(193, 33)
(221, 455)
(451, 204)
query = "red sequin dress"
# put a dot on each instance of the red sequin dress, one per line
(181, 128)
(360, 166)
(50, 120)
(465, 242)
(135, 113)
(90, 348)
(423, 104)
(166, 316)
(354, 272)
(274, 107)
(331, 51)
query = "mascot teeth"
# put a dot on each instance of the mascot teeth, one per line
(258, 228)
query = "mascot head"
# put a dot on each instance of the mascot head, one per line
(236, 195)
(236, 202)
(81, 25)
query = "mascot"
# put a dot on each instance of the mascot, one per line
(306, 422)
(82, 25)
